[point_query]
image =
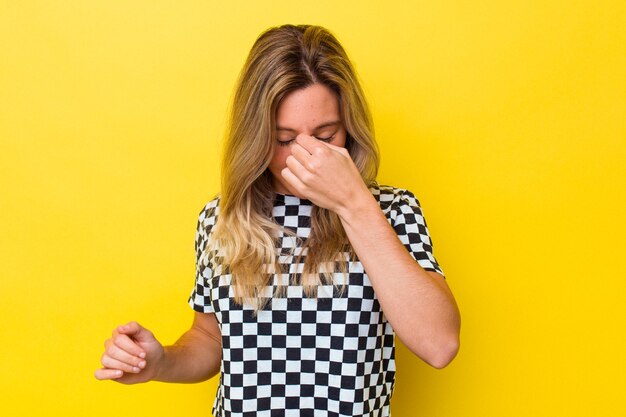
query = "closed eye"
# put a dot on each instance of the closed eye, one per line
(289, 141)
(285, 142)
(328, 139)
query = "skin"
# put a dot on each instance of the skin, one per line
(312, 112)
(312, 164)
(418, 303)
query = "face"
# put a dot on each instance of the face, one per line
(313, 111)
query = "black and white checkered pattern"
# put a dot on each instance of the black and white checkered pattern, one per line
(327, 356)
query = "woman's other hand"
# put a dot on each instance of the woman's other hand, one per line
(132, 355)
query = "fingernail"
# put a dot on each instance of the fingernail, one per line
(118, 372)
(142, 364)
(142, 355)
(135, 369)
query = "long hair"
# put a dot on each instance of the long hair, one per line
(284, 59)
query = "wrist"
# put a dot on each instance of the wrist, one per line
(160, 365)
(362, 205)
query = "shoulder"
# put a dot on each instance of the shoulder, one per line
(212, 206)
(209, 213)
(390, 198)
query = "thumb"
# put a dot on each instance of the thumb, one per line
(136, 332)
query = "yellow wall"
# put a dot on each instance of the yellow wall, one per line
(506, 118)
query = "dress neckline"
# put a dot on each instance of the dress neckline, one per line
(290, 199)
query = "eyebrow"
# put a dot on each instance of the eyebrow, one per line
(322, 126)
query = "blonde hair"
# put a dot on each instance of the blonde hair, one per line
(284, 59)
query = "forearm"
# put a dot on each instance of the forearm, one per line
(422, 311)
(195, 357)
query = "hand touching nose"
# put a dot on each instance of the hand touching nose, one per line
(323, 173)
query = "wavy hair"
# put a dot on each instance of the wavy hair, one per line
(284, 59)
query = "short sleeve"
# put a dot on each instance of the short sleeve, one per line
(200, 298)
(410, 226)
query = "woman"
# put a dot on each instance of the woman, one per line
(312, 267)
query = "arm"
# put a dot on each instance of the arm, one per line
(134, 355)
(196, 355)
(418, 304)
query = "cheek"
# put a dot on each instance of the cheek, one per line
(279, 158)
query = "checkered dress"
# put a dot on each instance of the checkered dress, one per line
(332, 355)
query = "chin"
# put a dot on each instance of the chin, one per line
(282, 188)
(291, 192)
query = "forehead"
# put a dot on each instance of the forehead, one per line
(308, 108)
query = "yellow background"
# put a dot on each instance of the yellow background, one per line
(505, 118)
